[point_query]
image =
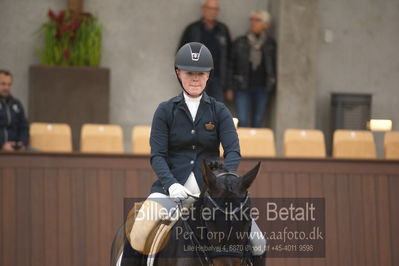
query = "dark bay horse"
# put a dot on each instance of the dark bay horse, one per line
(212, 230)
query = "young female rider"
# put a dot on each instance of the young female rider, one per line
(186, 130)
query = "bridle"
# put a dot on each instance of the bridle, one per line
(206, 256)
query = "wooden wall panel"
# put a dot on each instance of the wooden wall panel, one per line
(383, 221)
(36, 206)
(332, 235)
(1, 216)
(23, 214)
(64, 209)
(9, 204)
(394, 219)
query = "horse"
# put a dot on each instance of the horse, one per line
(196, 239)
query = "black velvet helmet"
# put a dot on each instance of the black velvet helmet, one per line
(194, 56)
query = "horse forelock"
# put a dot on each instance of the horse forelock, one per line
(227, 184)
(216, 166)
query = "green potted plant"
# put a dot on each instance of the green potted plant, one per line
(71, 39)
(69, 86)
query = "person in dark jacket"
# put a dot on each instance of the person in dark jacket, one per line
(185, 130)
(216, 36)
(253, 71)
(14, 127)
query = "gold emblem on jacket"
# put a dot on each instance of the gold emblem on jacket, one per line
(209, 126)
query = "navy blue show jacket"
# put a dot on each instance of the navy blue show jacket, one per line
(179, 144)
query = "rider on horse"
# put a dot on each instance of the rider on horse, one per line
(186, 130)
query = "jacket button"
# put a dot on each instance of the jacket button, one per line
(193, 131)
(191, 162)
(194, 147)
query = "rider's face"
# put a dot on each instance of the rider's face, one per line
(193, 82)
(256, 25)
(5, 85)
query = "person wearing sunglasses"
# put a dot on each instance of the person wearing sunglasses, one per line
(253, 70)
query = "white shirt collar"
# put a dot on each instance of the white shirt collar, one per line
(192, 104)
(189, 99)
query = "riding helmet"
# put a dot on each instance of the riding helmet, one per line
(194, 56)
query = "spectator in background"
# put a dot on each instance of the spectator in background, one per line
(215, 35)
(14, 127)
(253, 70)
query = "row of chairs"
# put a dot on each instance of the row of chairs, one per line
(254, 142)
(311, 143)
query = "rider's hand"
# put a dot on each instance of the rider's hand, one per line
(178, 192)
(8, 146)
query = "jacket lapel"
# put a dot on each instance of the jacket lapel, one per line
(204, 105)
(181, 104)
(201, 109)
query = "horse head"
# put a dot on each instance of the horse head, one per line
(226, 201)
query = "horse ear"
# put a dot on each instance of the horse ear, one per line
(208, 176)
(249, 177)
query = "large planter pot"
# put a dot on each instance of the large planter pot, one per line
(72, 95)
